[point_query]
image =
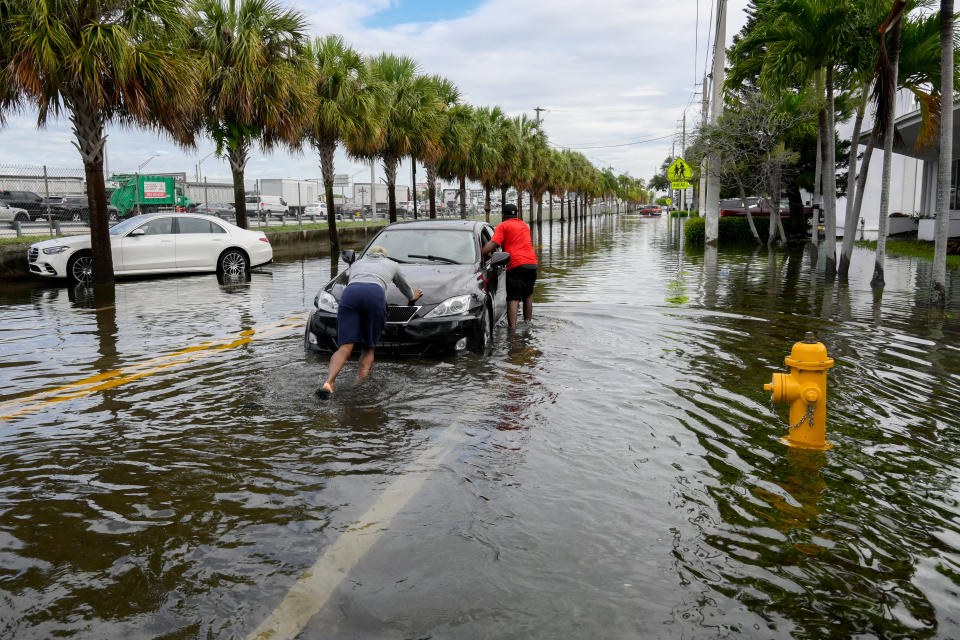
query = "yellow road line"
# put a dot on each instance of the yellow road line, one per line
(115, 378)
(308, 595)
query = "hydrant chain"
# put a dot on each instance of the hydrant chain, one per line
(808, 416)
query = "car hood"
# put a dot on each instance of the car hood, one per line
(79, 242)
(438, 282)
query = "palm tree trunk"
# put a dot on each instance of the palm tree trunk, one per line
(540, 209)
(520, 204)
(531, 207)
(486, 203)
(550, 202)
(864, 171)
(237, 155)
(850, 219)
(432, 188)
(830, 180)
(88, 130)
(878, 281)
(326, 170)
(817, 180)
(942, 225)
(503, 197)
(463, 197)
(389, 168)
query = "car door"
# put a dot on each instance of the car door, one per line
(199, 243)
(496, 283)
(149, 246)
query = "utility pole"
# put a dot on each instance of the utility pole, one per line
(712, 230)
(702, 191)
(538, 110)
(683, 152)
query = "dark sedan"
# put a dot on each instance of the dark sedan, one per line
(464, 295)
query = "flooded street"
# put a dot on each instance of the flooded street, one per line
(611, 470)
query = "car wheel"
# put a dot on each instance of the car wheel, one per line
(22, 217)
(76, 216)
(112, 216)
(483, 335)
(233, 264)
(80, 267)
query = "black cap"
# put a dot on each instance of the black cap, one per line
(509, 210)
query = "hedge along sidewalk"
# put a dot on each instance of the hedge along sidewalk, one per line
(911, 248)
(731, 230)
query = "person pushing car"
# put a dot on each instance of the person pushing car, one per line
(513, 235)
(362, 312)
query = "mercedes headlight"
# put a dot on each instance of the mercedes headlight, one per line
(454, 306)
(326, 302)
(52, 250)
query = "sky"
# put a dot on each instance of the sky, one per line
(615, 78)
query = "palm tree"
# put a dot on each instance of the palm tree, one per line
(99, 62)
(948, 68)
(410, 115)
(256, 80)
(492, 126)
(918, 71)
(886, 90)
(451, 122)
(345, 111)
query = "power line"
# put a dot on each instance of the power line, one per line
(610, 146)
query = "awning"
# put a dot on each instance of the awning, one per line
(909, 127)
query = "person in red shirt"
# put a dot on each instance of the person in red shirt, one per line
(513, 236)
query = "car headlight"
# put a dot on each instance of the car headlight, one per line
(52, 250)
(326, 302)
(454, 306)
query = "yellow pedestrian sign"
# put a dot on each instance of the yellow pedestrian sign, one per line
(679, 171)
(682, 184)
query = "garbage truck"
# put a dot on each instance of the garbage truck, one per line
(139, 193)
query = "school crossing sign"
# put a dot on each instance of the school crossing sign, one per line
(679, 174)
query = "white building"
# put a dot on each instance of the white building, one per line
(913, 177)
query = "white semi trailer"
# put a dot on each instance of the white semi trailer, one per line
(296, 193)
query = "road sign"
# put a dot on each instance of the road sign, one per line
(680, 185)
(668, 201)
(679, 171)
(341, 179)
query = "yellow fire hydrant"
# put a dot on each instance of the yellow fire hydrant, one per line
(805, 388)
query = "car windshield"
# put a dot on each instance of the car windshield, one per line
(427, 246)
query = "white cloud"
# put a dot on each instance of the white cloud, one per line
(607, 71)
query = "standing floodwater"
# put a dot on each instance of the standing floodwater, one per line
(612, 470)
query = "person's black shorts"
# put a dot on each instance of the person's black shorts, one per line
(520, 281)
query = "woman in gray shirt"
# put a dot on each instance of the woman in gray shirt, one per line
(362, 312)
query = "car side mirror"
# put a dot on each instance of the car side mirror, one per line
(138, 232)
(498, 258)
(349, 256)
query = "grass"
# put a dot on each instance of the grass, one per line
(911, 248)
(28, 239)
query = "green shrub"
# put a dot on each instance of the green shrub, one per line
(732, 230)
(695, 230)
(679, 214)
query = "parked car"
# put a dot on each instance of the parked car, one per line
(264, 206)
(26, 200)
(75, 208)
(13, 214)
(219, 209)
(316, 209)
(157, 243)
(652, 210)
(464, 295)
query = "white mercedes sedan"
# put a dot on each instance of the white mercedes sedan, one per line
(157, 243)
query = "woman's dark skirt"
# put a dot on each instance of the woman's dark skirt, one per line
(362, 314)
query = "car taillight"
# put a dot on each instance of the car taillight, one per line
(264, 239)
